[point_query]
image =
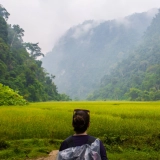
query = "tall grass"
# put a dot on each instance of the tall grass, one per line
(53, 119)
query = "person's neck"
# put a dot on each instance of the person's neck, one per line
(79, 134)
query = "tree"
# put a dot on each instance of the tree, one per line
(19, 69)
(34, 49)
(134, 94)
(18, 33)
(3, 29)
(64, 97)
(4, 13)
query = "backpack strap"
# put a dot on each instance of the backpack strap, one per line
(91, 140)
(70, 141)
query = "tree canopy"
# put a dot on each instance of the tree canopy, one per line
(19, 67)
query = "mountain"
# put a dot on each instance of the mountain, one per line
(138, 76)
(91, 50)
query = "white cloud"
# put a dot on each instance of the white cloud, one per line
(123, 21)
(83, 29)
(152, 12)
(44, 21)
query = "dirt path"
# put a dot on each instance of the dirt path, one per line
(52, 156)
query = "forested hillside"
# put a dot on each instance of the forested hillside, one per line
(91, 50)
(19, 68)
(138, 76)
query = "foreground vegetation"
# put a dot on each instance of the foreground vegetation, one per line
(10, 97)
(129, 130)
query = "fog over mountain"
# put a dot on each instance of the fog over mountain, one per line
(136, 78)
(92, 49)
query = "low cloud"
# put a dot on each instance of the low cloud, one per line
(152, 12)
(123, 21)
(45, 21)
(83, 29)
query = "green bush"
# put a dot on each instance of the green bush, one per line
(10, 97)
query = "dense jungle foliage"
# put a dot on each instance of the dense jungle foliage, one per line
(19, 67)
(138, 76)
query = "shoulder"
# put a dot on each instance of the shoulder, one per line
(91, 139)
(68, 139)
(64, 144)
(94, 138)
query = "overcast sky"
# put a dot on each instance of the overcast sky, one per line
(44, 21)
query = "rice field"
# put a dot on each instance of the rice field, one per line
(52, 120)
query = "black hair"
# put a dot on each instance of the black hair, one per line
(80, 122)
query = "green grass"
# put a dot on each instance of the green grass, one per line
(129, 130)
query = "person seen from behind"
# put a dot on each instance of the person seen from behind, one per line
(82, 141)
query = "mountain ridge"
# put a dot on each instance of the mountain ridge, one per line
(90, 50)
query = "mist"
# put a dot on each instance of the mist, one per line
(46, 21)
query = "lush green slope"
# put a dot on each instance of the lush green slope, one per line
(90, 50)
(19, 69)
(137, 77)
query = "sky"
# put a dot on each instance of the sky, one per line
(45, 21)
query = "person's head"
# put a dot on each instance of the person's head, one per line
(81, 119)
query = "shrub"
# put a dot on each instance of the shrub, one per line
(10, 97)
